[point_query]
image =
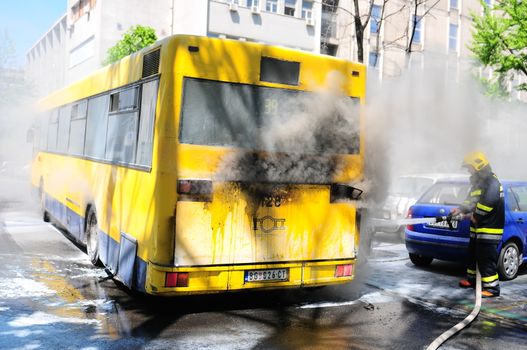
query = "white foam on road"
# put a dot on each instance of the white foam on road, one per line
(327, 304)
(370, 298)
(89, 272)
(376, 298)
(18, 287)
(41, 318)
(22, 333)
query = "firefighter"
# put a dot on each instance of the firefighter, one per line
(484, 206)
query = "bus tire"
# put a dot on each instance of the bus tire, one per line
(419, 260)
(42, 197)
(509, 261)
(92, 238)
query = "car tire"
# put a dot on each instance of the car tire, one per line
(419, 260)
(509, 261)
(92, 238)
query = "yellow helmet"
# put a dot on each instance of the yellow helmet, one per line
(477, 160)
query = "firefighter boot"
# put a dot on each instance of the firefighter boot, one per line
(489, 293)
(466, 284)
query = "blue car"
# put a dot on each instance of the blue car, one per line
(426, 242)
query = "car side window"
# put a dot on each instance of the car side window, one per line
(512, 200)
(519, 193)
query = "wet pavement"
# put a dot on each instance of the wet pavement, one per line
(51, 297)
(416, 282)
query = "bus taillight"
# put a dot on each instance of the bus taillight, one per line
(343, 270)
(195, 190)
(176, 279)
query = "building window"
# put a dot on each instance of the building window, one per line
(253, 3)
(307, 9)
(271, 6)
(418, 29)
(290, 6)
(81, 7)
(328, 27)
(453, 4)
(375, 19)
(452, 37)
(373, 59)
(328, 49)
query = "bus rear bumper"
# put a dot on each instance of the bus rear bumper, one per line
(216, 279)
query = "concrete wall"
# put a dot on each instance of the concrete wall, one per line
(275, 28)
(82, 54)
(46, 60)
(190, 17)
(118, 16)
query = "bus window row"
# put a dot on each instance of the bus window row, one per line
(116, 127)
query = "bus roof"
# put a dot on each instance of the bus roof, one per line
(129, 69)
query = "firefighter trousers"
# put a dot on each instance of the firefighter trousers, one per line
(485, 253)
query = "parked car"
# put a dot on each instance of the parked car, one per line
(403, 193)
(426, 242)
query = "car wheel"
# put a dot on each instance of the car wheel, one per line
(419, 260)
(509, 261)
(92, 238)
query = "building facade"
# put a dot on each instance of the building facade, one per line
(78, 42)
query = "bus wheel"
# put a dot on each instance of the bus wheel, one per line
(92, 238)
(42, 196)
(509, 261)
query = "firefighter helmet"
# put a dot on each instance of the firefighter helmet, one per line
(477, 160)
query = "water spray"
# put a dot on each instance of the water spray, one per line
(412, 221)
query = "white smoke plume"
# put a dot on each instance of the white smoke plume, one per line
(300, 146)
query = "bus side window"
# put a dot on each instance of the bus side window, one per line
(77, 129)
(64, 129)
(43, 137)
(53, 130)
(122, 126)
(146, 122)
(96, 124)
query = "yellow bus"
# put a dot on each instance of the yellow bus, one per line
(201, 165)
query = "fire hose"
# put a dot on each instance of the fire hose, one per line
(477, 306)
(449, 333)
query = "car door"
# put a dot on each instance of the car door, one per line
(516, 202)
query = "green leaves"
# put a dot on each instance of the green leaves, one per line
(500, 38)
(133, 40)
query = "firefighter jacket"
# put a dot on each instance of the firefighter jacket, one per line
(486, 203)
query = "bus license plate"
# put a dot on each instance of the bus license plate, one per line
(266, 275)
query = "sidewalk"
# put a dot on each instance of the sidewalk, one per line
(436, 286)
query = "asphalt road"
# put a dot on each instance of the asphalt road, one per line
(52, 298)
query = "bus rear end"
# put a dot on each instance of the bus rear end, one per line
(264, 173)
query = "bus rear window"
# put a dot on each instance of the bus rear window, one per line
(446, 194)
(248, 116)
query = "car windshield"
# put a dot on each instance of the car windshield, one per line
(446, 193)
(411, 186)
